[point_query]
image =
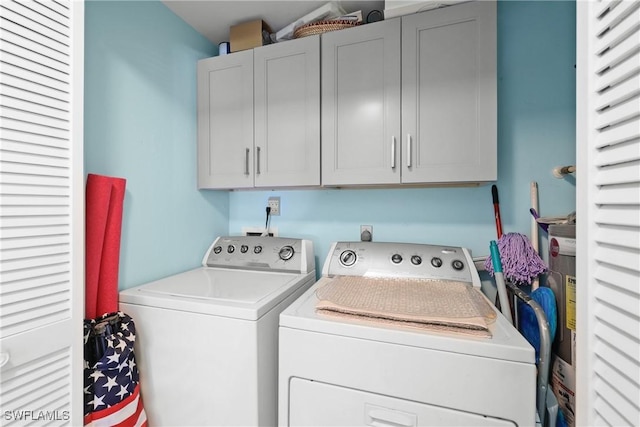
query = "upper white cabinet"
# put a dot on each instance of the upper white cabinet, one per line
(445, 130)
(259, 117)
(361, 105)
(287, 113)
(449, 94)
(225, 121)
(411, 100)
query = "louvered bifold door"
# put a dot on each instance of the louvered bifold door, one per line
(41, 196)
(608, 239)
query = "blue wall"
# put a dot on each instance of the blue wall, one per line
(140, 124)
(536, 132)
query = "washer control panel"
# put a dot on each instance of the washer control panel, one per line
(261, 253)
(380, 259)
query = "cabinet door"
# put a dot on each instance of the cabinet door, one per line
(449, 119)
(361, 105)
(225, 121)
(287, 113)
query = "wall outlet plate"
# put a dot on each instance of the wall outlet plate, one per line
(274, 204)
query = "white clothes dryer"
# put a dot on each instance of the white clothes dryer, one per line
(207, 339)
(346, 371)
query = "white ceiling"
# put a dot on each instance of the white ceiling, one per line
(212, 18)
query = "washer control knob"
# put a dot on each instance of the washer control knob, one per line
(257, 249)
(348, 258)
(244, 249)
(457, 264)
(396, 258)
(416, 259)
(231, 249)
(436, 262)
(286, 253)
(217, 250)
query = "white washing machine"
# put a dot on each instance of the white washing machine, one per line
(346, 371)
(207, 339)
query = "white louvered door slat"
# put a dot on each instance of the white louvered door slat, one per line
(628, 194)
(618, 215)
(629, 151)
(624, 132)
(59, 7)
(623, 236)
(608, 225)
(42, 199)
(619, 173)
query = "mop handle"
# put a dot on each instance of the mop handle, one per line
(496, 210)
(500, 284)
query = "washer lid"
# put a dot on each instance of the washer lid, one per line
(226, 285)
(217, 291)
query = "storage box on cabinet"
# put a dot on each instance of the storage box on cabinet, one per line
(259, 117)
(445, 130)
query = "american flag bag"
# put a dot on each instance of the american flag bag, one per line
(111, 380)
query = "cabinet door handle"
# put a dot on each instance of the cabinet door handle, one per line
(258, 161)
(246, 162)
(393, 152)
(408, 150)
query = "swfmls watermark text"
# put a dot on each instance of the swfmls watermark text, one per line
(26, 415)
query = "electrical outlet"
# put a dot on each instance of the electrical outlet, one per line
(274, 204)
(366, 233)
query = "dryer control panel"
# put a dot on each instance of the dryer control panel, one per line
(381, 259)
(261, 253)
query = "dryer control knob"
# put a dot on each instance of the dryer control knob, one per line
(416, 260)
(396, 258)
(457, 264)
(231, 249)
(348, 258)
(217, 250)
(257, 249)
(244, 249)
(286, 253)
(436, 262)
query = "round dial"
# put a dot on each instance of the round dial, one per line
(396, 258)
(257, 249)
(348, 258)
(457, 264)
(416, 259)
(286, 253)
(436, 262)
(231, 249)
(244, 249)
(217, 249)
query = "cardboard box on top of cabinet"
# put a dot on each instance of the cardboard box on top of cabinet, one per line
(249, 35)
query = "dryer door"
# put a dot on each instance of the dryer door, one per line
(314, 403)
